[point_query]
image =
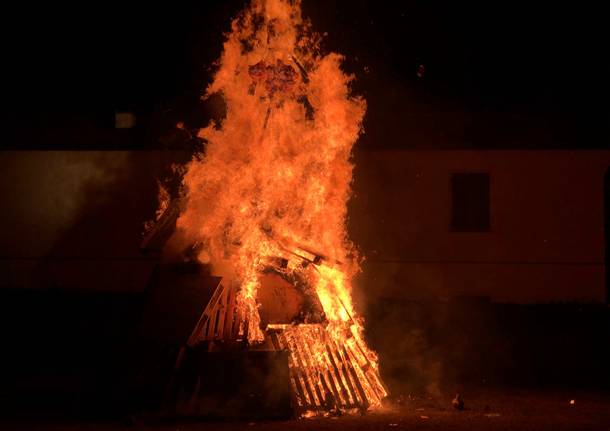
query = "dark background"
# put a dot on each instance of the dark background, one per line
(499, 75)
(505, 74)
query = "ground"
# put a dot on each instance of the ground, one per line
(496, 410)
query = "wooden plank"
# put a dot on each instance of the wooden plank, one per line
(211, 326)
(294, 371)
(230, 315)
(334, 384)
(304, 371)
(350, 385)
(297, 397)
(333, 388)
(339, 378)
(219, 311)
(236, 318)
(308, 385)
(214, 300)
(309, 403)
(321, 380)
(199, 332)
(206, 327)
(219, 332)
(346, 374)
(319, 361)
(364, 385)
(357, 382)
(274, 340)
(310, 364)
(371, 377)
(335, 359)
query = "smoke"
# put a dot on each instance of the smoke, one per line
(48, 191)
(411, 362)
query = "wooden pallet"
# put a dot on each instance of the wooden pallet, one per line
(220, 320)
(325, 375)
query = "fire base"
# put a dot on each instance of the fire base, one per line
(303, 360)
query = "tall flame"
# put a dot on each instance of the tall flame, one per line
(275, 176)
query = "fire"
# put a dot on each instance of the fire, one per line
(273, 184)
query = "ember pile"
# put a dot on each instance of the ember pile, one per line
(268, 199)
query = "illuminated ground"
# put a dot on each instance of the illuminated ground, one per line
(505, 410)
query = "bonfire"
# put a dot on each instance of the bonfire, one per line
(268, 198)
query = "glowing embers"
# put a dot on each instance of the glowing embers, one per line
(327, 374)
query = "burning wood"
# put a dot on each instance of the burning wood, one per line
(271, 188)
(279, 77)
(324, 373)
(158, 232)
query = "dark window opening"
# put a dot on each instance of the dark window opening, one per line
(470, 202)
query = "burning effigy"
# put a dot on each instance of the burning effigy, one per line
(266, 203)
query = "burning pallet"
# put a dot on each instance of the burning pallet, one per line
(325, 375)
(270, 191)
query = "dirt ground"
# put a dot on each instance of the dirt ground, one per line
(501, 410)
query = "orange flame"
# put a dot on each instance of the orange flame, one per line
(275, 176)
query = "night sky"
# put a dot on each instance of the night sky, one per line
(497, 75)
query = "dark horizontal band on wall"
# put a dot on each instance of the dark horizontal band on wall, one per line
(83, 259)
(408, 261)
(481, 262)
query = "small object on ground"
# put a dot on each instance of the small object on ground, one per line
(393, 425)
(572, 402)
(458, 402)
(492, 415)
(421, 409)
(421, 70)
(424, 417)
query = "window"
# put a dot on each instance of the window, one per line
(470, 202)
(124, 120)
